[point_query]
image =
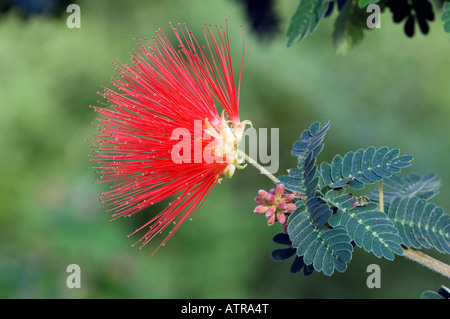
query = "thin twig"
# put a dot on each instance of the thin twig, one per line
(258, 167)
(380, 197)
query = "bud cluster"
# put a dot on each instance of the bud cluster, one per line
(275, 204)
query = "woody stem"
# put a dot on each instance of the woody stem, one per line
(427, 261)
(258, 167)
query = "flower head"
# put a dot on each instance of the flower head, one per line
(275, 204)
(170, 128)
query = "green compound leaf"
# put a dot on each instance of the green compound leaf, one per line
(368, 227)
(420, 224)
(348, 31)
(412, 185)
(310, 141)
(364, 166)
(303, 178)
(326, 248)
(445, 17)
(305, 19)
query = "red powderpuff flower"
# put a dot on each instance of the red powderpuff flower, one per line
(167, 93)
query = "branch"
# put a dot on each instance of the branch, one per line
(427, 261)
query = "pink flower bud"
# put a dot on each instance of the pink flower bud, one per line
(283, 206)
(259, 200)
(270, 199)
(260, 209)
(270, 212)
(291, 207)
(281, 217)
(263, 193)
(288, 198)
(279, 191)
(271, 220)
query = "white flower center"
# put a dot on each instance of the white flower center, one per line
(225, 140)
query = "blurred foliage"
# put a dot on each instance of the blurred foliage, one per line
(394, 91)
(30, 8)
(355, 17)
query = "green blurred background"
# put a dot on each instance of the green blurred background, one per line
(391, 91)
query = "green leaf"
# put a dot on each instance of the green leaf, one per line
(310, 142)
(428, 294)
(364, 166)
(343, 202)
(445, 17)
(292, 183)
(377, 162)
(319, 210)
(442, 293)
(409, 186)
(282, 254)
(347, 33)
(347, 165)
(305, 19)
(368, 227)
(327, 249)
(325, 170)
(303, 178)
(336, 167)
(365, 3)
(420, 224)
